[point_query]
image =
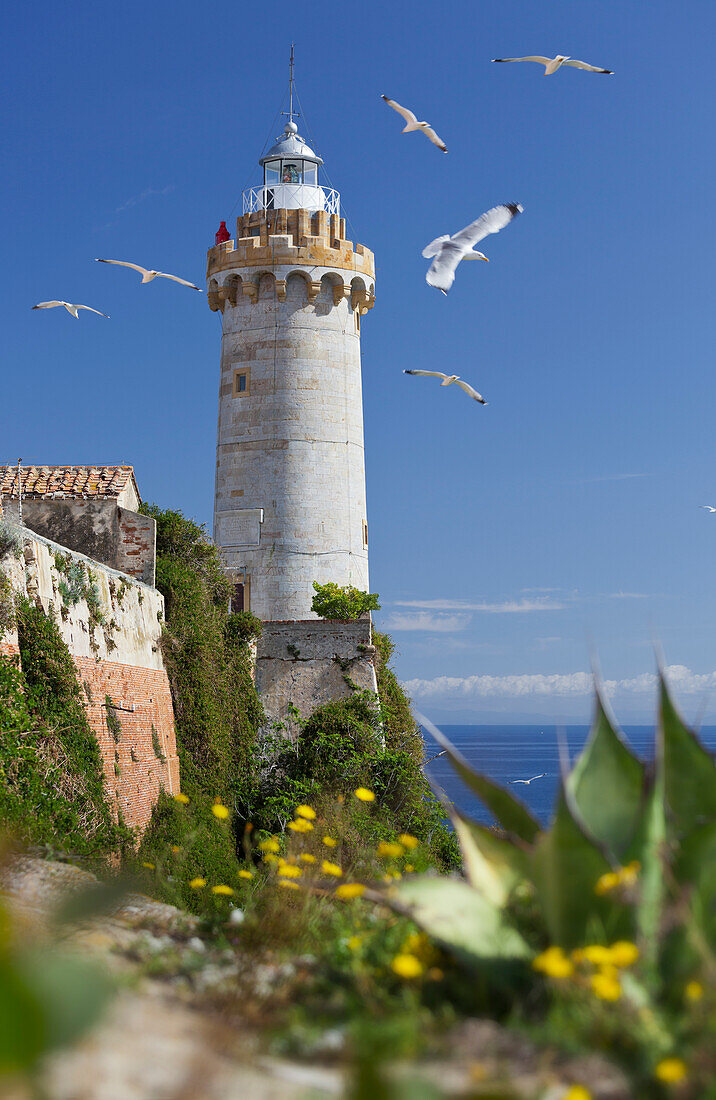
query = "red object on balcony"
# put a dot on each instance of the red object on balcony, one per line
(222, 234)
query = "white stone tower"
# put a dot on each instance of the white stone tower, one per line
(289, 505)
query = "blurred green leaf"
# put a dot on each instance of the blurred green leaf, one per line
(607, 785)
(650, 851)
(92, 901)
(458, 917)
(22, 1021)
(689, 770)
(71, 991)
(492, 864)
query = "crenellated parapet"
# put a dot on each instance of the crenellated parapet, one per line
(284, 243)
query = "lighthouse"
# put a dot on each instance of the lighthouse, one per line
(290, 499)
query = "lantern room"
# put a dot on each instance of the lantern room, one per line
(290, 180)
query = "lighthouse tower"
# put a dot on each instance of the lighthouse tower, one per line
(290, 505)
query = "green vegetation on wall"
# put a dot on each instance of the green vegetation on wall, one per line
(335, 602)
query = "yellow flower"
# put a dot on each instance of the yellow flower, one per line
(306, 811)
(671, 1070)
(354, 943)
(307, 857)
(694, 991)
(364, 794)
(329, 842)
(389, 850)
(623, 953)
(408, 868)
(597, 955)
(224, 891)
(300, 825)
(270, 845)
(289, 871)
(287, 884)
(220, 811)
(630, 873)
(175, 849)
(606, 883)
(331, 868)
(245, 874)
(197, 883)
(408, 841)
(149, 866)
(605, 986)
(407, 966)
(270, 858)
(577, 1092)
(554, 963)
(181, 798)
(348, 890)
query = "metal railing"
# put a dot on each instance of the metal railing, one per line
(289, 196)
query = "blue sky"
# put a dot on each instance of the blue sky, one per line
(507, 540)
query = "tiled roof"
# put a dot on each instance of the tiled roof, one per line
(66, 481)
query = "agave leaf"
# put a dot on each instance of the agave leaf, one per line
(492, 864)
(566, 865)
(649, 849)
(689, 770)
(607, 784)
(694, 869)
(458, 917)
(511, 814)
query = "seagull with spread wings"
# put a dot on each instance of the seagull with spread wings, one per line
(449, 251)
(528, 781)
(448, 380)
(708, 507)
(411, 123)
(70, 307)
(148, 274)
(551, 64)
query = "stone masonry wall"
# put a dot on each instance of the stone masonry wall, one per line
(120, 659)
(304, 664)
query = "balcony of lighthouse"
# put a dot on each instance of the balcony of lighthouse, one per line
(292, 196)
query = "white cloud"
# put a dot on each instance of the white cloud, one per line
(148, 193)
(504, 607)
(442, 624)
(680, 678)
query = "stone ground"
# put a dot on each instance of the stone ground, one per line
(164, 1038)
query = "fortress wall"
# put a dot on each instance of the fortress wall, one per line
(119, 658)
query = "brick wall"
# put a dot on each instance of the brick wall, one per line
(137, 545)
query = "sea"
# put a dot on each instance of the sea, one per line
(506, 753)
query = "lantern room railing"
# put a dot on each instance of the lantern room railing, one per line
(292, 197)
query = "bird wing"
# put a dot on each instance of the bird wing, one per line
(471, 392)
(441, 273)
(92, 310)
(491, 222)
(589, 68)
(51, 305)
(427, 373)
(176, 279)
(434, 247)
(539, 60)
(407, 115)
(430, 133)
(125, 263)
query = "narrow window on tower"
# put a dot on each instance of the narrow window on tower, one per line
(242, 380)
(357, 314)
(365, 535)
(240, 595)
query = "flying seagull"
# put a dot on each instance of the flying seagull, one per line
(449, 251)
(447, 380)
(413, 124)
(551, 64)
(528, 781)
(708, 508)
(147, 273)
(70, 307)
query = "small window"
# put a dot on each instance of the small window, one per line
(310, 174)
(272, 172)
(365, 534)
(242, 379)
(240, 595)
(291, 172)
(255, 231)
(357, 315)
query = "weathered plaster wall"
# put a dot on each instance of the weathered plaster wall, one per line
(120, 658)
(304, 664)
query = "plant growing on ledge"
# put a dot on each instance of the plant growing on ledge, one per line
(335, 602)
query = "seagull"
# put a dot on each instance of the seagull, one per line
(551, 64)
(147, 273)
(70, 307)
(413, 124)
(528, 781)
(449, 251)
(708, 508)
(447, 380)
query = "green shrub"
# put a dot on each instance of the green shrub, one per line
(399, 727)
(7, 605)
(242, 626)
(333, 602)
(10, 541)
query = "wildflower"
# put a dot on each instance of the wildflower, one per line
(577, 1092)
(348, 890)
(605, 986)
(408, 841)
(364, 795)
(630, 873)
(224, 891)
(270, 858)
(623, 953)
(307, 857)
(181, 798)
(175, 849)
(554, 963)
(597, 955)
(270, 845)
(329, 868)
(354, 942)
(387, 849)
(306, 811)
(289, 885)
(329, 842)
(149, 866)
(237, 916)
(245, 874)
(694, 991)
(606, 883)
(407, 966)
(287, 870)
(300, 825)
(671, 1070)
(408, 868)
(624, 876)
(197, 883)
(220, 811)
